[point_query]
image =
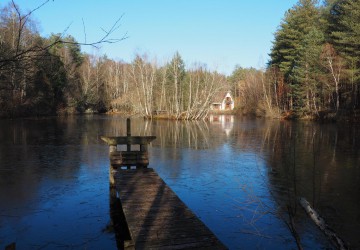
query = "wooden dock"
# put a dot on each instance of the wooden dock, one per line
(156, 217)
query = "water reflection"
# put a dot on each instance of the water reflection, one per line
(241, 176)
(320, 163)
(180, 134)
(258, 169)
(53, 181)
(225, 122)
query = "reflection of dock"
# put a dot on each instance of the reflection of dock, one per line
(156, 217)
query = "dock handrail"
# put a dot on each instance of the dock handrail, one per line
(128, 158)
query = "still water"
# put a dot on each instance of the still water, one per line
(243, 177)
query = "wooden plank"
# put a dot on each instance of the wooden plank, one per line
(132, 158)
(155, 215)
(132, 162)
(124, 140)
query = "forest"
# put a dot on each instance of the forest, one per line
(313, 72)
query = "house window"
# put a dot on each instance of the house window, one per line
(216, 106)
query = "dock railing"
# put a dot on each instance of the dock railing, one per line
(129, 158)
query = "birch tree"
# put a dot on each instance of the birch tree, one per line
(202, 85)
(143, 75)
(335, 66)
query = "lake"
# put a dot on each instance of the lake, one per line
(241, 176)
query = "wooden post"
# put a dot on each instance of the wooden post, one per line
(112, 149)
(143, 147)
(112, 169)
(112, 172)
(128, 133)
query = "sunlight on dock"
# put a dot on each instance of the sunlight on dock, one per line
(154, 214)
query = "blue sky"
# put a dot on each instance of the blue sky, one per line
(218, 33)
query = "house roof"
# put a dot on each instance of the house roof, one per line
(219, 96)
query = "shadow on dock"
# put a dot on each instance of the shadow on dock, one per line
(156, 216)
(118, 222)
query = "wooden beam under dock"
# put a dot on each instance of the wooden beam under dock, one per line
(156, 217)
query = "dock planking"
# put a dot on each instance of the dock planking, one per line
(155, 215)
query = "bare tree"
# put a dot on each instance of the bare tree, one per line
(23, 50)
(335, 65)
(143, 75)
(23, 53)
(202, 85)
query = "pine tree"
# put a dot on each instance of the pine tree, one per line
(298, 22)
(345, 17)
(307, 72)
(176, 76)
(296, 25)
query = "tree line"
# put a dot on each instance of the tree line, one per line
(313, 71)
(42, 76)
(314, 66)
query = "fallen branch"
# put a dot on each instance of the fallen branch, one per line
(320, 222)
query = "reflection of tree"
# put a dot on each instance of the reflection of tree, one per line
(310, 160)
(45, 151)
(31, 150)
(170, 133)
(181, 134)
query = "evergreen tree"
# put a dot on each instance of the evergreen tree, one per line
(345, 17)
(66, 58)
(346, 27)
(297, 24)
(176, 79)
(307, 73)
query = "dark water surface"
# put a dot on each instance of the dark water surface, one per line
(243, 177)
